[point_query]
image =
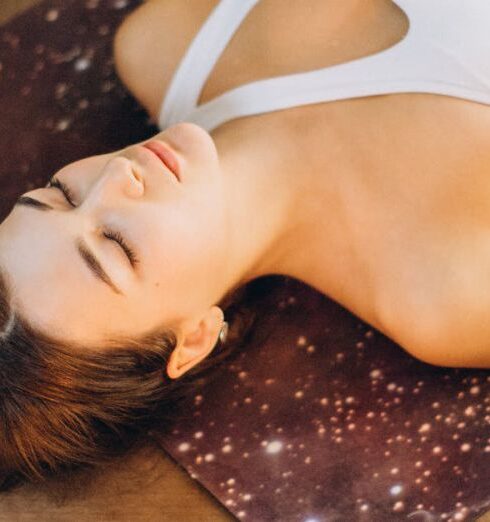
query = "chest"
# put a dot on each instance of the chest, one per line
(274, 38)
(410, 235)
(410, 170)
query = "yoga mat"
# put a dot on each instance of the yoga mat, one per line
(324, 420)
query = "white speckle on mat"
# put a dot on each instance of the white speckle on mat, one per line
(399, 506)
(475, 390)
(82, 64)
(60, 90)
(120, 4)
(301, 341)
(274, 447)
(184, 446)
(396, 490)
(52, 15)
(62, 125)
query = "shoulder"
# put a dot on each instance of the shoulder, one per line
(150, 42)
(443, 318)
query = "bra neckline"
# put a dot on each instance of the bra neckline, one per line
(401, 42)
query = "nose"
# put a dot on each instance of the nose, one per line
(118, 180)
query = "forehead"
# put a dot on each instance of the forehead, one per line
(50, 284)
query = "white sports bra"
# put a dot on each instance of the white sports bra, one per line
(446, 51)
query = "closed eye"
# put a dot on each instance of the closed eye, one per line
(55, 182)
(109, 234)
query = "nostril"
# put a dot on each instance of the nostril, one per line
(137, 176)
(138, 188)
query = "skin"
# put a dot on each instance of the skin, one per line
(194, 240)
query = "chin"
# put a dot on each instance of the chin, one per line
(190, 140)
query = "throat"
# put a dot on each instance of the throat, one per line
(268, 203)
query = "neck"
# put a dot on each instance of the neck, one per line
(266, 208)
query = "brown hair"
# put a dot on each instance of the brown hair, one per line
(63, 408)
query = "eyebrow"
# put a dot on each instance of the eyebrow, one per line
(31, 202)
(83, 249)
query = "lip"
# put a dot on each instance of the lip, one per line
(166, 156)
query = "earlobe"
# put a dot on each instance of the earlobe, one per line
(193, 347)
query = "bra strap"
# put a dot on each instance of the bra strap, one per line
(200, 58)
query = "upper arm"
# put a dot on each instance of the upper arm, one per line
(149, 44)
(135, 56)
(449, 326)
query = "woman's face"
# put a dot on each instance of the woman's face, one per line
(72, 279)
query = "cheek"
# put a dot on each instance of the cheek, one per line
(177, 246)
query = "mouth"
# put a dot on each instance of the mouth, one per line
(165, 155)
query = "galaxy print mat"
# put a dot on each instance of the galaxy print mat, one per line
(326, 420)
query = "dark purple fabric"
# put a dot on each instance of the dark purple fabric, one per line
(327, 420)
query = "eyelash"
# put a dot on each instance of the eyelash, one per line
(109, 234)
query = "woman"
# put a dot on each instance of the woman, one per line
(117, 274)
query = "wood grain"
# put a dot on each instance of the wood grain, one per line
(145, 486)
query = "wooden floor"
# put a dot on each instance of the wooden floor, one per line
(145, 487)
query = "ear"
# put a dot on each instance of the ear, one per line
(194, 346)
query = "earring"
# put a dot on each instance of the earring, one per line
(224, 332)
